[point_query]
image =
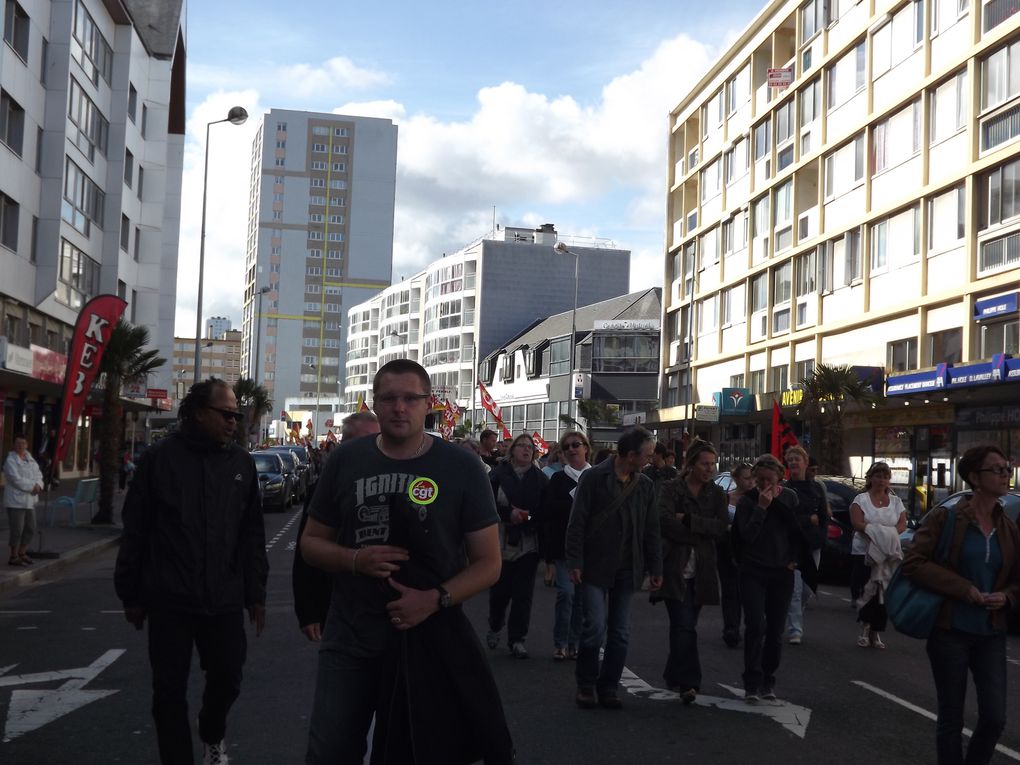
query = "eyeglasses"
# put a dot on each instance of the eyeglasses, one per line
(573, 445)
(228, 414)
(998, 470)
(409, 399)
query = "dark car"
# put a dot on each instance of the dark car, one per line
(1010, 503)
(290, 464)
(839, 534)
(302, 466)
(277, 485)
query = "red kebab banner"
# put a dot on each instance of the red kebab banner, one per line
(91, 336)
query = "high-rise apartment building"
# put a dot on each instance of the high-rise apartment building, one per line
(92, 119)
(844, 188)
(464, 306)
(320, 239)
(221, 357)
(217, 327)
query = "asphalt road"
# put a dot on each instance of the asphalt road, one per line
(74, 687)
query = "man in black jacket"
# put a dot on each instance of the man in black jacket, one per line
(192, 559)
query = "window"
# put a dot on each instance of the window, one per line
(736, 161)
(785, 130)
(945, 347)
(726, 307)
(901, 355)
(757, 381)
(707, 315)
(141, 181)
(316, 130)
(318, 164)
(93, 129)
(88, 46)
(879, 245)
(734, 233)
(9, 214)
(891, 138)
(630, 353)
(897, 40)
(737, 381)
(559, 357)
(738, 90)
(712, 113)
(806, 274)
(852, 270)
(138, 241)
(779, 377)
(999, 191)
(759, 293)
(803, 371)
(12, 123)
(1000, 76)
(339, 167)
(132, 109)
(319, 148)
(844, 168)
(129, 167)
(710, 178)
(814, 17)
(762, 222)
(145, 120)
(340, 132)
(949, 107)
(79, 276)
(762, 140)
(1000, 337)
(846, 77)
(784, 216)
(810, 100)
(318, 183)
(83, 200)
(125, 233)
(781, 293)
(16, 28)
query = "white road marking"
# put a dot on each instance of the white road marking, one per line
(283, 531)
(1011, 753)
(89, 629)
(792, 717)
(823, 592)
(30, 710)
(18, 613)
(119, 612)
(28, 628)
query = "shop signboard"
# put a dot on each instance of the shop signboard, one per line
(15, 358)
(706, 413)
(993, 307)
(917, 382)
(981, 373)
(48, 365)
(734, 401)
(988, 417)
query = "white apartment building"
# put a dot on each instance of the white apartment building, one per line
(320, 239)
(463, 306)
(862, 209)
(92, 119)
(216, 327)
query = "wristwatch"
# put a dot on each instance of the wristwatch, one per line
(444, 597)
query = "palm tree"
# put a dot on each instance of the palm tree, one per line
(593, 413)
(827, 391)
(125, 359)
(254, 401)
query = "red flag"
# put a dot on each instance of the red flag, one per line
(782, 435)
(506, 431)
(91, 334)
(540, 442)
(364, 406)
(488, 403)
(331, 436)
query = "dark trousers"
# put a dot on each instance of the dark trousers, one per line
(729, 586)
(952, 654)
(516, 588)
(683, 665)
(874, 615)
(765, 595)
(606, 622)
(222, 647)
(346, 694)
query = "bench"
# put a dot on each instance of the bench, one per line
(87, 492)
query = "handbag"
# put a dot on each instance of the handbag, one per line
(912, 608)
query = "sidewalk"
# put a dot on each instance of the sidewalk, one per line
(71, 543)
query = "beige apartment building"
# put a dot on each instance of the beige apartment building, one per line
(844, 188)
(221, 357)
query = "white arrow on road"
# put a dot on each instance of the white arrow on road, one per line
(30, 710)
(792, 717)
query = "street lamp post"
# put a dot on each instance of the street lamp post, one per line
(564, 250)
(236, 116)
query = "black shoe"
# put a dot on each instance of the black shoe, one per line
(732, 641)
(768, 693)
(585, 698)
(688, 696)
(610, 700)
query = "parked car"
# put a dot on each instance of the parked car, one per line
(1010, 503)
(839, 534)
(277, 485)
(290, 463)
(302, 464)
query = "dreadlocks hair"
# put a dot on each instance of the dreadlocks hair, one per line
(199, 396)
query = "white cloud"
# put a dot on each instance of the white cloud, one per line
(599, 167)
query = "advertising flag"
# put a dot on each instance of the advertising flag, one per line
(91, 335)
(782, 435)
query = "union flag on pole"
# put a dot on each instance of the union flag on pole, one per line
(540, 442)
(488, 403)
(362, 404)
(782, 435)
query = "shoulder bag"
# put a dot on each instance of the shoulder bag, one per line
(912, 608)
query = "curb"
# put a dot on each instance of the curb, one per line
(52, 566)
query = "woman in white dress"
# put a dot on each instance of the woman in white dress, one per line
(876, 508)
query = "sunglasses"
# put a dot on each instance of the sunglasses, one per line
(572, 445)
(227, 414)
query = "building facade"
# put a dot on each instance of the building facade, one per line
(464, 306)
(843, 189)
(92, 119)
(217, 327)
(221, 357)
(320, 239)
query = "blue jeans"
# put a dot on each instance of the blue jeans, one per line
(683, 665)
(606, 619)
(346, 690)
(952, 653)
(569, 612)
(799, 599)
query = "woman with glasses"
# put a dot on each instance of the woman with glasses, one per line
(878, 518)
(980, 579)
(559, 498)
(692, 517)
(520, 488)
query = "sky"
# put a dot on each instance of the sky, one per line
(546, 112)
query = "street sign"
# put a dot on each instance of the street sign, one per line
(156, 393)
(780, 77)
(706, 412)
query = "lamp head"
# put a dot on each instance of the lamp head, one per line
(237, 115)
(561, 248)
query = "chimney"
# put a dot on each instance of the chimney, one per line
(545, 234)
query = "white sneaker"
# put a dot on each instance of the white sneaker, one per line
(216, 754)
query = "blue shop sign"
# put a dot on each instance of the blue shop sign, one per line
(734, 401)
(990, 308)
(982, 373)
(917, 382)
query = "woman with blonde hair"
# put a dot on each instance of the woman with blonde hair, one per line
(559, 498)
(878, 518)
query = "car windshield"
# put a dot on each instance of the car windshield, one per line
(266, 463)
(288, 459)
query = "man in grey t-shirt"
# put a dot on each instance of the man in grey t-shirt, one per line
(348, 534)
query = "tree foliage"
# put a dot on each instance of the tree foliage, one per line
(828, 391)
(593, 413)
(254, 401)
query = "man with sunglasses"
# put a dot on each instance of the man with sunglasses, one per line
(192, 559)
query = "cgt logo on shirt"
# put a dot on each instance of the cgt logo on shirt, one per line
(423, 491)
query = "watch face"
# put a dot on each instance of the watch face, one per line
(444, 599)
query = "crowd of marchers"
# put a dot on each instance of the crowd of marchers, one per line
(402, 528)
